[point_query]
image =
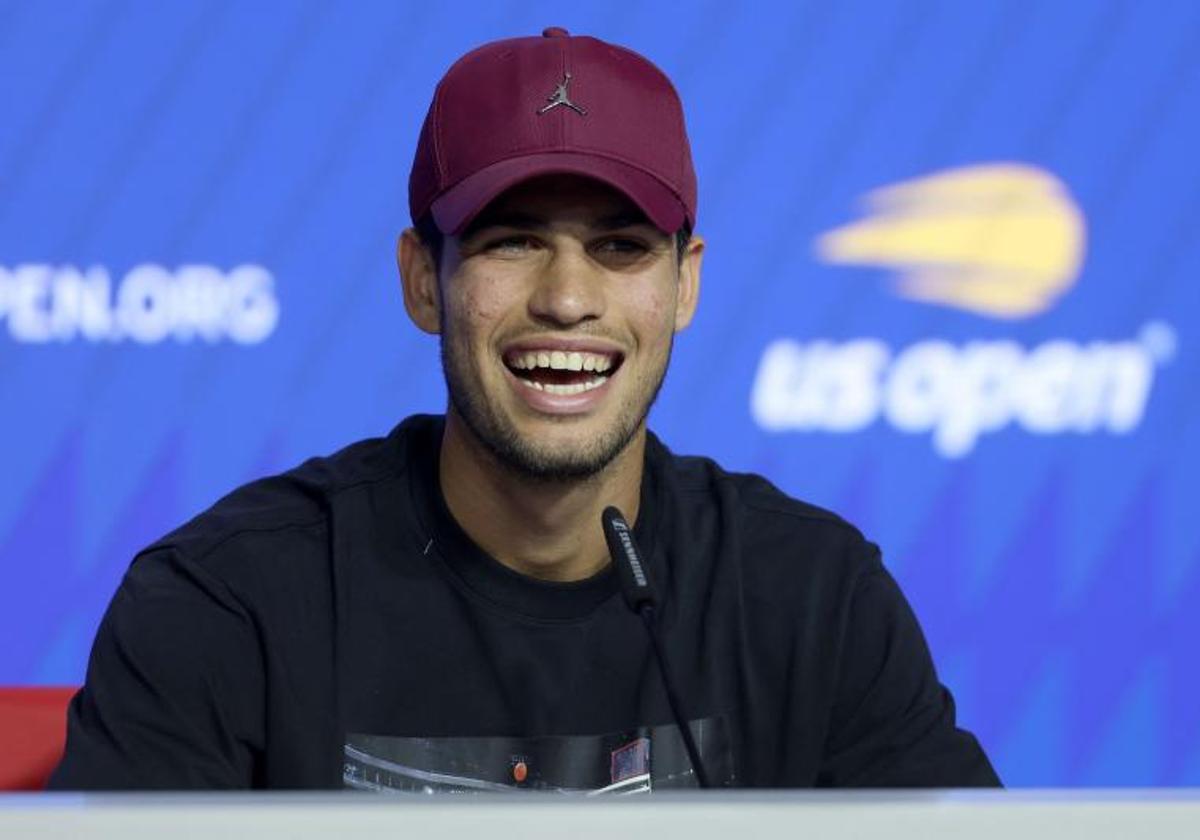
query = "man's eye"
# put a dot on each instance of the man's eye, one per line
(621, 247)
(510, 244)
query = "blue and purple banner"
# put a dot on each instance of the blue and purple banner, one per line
(952, 291)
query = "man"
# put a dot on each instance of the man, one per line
(437, 610)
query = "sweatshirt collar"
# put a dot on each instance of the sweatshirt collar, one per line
(486, 578)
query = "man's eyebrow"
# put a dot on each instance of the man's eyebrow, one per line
(627, 218)
(512, 219)
(528, 221)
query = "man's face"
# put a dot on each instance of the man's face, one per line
(558, 307)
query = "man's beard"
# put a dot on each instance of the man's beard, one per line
(521, 455)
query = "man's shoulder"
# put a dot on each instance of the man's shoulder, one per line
(763, 512)
(296, 505)
(702, 476)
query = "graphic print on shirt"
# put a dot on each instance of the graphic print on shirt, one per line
(637, 760)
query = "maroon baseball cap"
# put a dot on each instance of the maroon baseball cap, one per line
(559, 104)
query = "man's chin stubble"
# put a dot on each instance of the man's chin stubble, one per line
(513, 453)
(516, 455)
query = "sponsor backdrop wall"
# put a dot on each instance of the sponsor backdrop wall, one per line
(951, 293)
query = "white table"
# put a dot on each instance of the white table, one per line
(736, 815)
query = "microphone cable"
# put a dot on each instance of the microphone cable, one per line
(638, 591)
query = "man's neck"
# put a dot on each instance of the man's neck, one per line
(545, 529)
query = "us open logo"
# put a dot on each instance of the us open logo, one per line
(1002, 241)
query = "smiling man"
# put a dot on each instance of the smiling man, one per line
(556, 307)
(437, 609)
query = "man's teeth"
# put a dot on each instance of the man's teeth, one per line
(558, 360)
(575, 388)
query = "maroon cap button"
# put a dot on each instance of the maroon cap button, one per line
(557, 104)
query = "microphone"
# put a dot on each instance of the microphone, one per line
(638, 591)
(636, 587)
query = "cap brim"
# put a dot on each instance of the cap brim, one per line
(454, 209)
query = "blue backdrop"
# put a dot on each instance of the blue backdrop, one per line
(950, 292)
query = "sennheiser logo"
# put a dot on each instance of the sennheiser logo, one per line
(561, 97)
(999, 240)
(1004, 240)
(147, 305)
(630, 552)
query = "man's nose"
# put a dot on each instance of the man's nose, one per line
(569, 291)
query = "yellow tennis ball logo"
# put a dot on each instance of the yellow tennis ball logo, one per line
(1000, 239)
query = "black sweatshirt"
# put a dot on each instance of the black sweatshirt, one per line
(334, 627)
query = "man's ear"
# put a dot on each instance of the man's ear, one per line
(688, 293)
(419, 279)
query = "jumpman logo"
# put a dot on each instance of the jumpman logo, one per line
(560, 97)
